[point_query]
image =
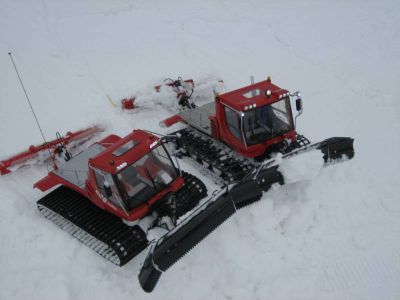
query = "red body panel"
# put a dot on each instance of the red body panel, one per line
(171, 121)
(110, 163)
(238, 101)
(128, 103)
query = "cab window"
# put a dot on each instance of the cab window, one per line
(104, 179)
(233, 122)
(146, 177)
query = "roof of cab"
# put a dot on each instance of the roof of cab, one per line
(252, 96)
(125, 151)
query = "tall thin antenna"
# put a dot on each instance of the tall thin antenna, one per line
(31, 107)
(253, 92)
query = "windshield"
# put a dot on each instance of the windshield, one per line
(147, 176)
(268, 121)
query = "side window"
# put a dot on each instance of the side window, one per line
(102, 177)
(233, 122)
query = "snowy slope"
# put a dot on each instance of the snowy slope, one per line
(336, 237)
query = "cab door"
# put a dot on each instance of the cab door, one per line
(108, 191)
(233, 122)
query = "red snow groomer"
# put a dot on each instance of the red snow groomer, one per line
(105, 190)
(241, 139)
(254, 121)
(117, 193)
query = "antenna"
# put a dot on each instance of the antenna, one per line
(31, 107)
(251, 79)
(253, 92)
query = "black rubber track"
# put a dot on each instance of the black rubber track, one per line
(101, 231)
(206, 152)
(230, 168)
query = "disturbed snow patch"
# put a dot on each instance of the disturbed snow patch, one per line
(301, 167)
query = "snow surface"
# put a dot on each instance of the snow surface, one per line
(304, 166)
(335, 237)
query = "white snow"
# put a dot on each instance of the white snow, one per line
(334, 237)
(304, 166)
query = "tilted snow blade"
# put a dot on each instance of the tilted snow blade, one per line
(334, 149)
(190, 232)
(175, 244)
(337, 147)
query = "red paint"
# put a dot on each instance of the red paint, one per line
(109, 140)
(238, 101)
(128, 103)
(171, 121)
(108, 162)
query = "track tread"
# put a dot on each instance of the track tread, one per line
(99, 230)
(206, 152)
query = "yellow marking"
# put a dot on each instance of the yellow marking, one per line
(111, 100)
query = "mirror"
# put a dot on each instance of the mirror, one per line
(299, 104)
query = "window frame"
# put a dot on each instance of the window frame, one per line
(124, 193)
(240, 123)
(118, 199)
(284, 100)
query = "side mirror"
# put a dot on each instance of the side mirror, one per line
(299, 104)
(107, 189)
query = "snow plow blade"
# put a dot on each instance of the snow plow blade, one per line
(174, 245)
(337, 147)
(333, 149)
